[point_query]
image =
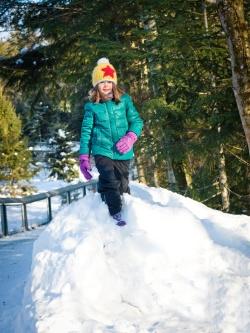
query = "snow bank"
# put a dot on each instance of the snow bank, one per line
(177, 266)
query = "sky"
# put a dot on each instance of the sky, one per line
(178, 266)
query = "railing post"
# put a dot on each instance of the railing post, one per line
(25, 217)
(49, 209)
(68, 197)
(4, 221)
(84, 190)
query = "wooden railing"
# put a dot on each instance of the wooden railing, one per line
(25, 201)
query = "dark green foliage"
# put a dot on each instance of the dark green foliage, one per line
(15, 158)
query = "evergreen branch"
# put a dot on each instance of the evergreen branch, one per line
(213, 196)
(238, 157)
(244, 196)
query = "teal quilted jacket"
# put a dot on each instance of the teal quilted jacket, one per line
(105, 123)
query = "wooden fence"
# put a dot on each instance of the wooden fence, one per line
(67, 191)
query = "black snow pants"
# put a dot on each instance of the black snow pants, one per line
(113, 181)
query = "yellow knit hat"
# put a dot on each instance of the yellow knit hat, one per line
(104, 71)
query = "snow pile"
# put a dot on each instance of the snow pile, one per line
(177, 266)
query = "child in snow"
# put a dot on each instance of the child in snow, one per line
(110, 127)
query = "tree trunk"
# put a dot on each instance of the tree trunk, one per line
(140, 169)
(172, 183)
(156, 179)
(232, 18)
(223, 181)
(188, 175)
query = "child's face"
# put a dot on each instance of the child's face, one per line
(105, 87)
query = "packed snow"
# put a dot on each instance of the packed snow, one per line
(178, 266)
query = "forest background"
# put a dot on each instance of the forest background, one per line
(185, 63)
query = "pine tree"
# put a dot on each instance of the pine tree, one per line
(176, 70)
(15, 158)
(62, 162)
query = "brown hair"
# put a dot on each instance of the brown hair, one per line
(95, 96)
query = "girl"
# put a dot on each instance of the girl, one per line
(110, 127)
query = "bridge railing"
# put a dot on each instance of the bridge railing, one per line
(68, 194)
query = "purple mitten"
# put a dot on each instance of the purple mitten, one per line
(126, 142)
(85, 166)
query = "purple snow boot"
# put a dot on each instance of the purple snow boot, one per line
(119, 220)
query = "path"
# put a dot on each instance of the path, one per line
(15, 262)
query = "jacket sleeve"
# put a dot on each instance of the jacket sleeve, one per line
(86, 131)
(135, 123)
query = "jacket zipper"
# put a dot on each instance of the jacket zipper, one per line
(111, 132)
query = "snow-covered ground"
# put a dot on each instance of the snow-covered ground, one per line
(16, 250)
(15, 262)
(176, 267)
